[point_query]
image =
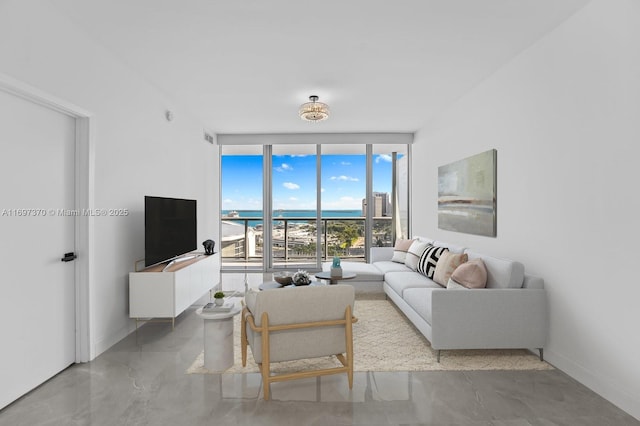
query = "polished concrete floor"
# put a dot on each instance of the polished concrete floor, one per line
(142, 381)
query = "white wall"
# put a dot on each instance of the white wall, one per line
(565, 118)
(137, 151)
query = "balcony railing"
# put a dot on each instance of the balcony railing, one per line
(294, 239)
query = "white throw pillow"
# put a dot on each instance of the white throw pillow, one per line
(414, 253)
(400, 250)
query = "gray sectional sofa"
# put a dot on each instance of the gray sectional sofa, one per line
(511, 312)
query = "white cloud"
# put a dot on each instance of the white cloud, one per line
(383, 157)
(345, 163)
(284, 167)
(345, 178)
(293, 199)
(291, 185)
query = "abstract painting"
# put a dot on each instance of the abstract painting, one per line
(467, 195)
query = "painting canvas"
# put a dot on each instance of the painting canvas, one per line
(467, 195)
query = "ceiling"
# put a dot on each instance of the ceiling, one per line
(245, 66)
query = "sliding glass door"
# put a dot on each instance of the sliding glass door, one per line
(344, 191)
(293, 206)
(241, 201)
(292, 200)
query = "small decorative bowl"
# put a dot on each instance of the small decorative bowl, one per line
(283, 278)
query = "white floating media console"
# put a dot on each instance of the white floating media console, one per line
(165, 291)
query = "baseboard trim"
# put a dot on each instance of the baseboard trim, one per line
(102, 345)
(612, 392)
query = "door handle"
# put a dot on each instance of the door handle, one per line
(68, 257)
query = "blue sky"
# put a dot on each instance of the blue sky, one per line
(294, 181)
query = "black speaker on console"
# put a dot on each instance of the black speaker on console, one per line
(209, 246)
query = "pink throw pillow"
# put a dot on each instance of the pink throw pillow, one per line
(472, 274)
(446, 265)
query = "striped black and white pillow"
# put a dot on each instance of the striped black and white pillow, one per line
(429, 260)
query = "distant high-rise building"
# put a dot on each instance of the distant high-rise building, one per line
(381, 205)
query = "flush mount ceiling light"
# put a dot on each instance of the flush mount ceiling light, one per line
(314, 110)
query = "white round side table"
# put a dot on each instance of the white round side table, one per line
(218, 338)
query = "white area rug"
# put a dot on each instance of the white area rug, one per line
(384, 340)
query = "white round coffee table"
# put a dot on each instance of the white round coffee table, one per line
(326, 275)
(268, 285)
(218, 338)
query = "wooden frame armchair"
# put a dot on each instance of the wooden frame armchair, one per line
(299, 323)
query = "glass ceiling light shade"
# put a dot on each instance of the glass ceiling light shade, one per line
(314, 110)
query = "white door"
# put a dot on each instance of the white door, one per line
(37, 290)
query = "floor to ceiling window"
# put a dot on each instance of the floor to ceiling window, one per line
(390, 194)
(344, 191)
(296, 205)
(241, 175)
(293, 197)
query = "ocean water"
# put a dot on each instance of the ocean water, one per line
(297, 214)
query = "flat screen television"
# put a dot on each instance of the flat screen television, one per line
(170, 228)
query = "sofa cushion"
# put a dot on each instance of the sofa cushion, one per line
(385, 266)
(400, 281)
(414, 253)
(250, 299)
(420, 301)
(501, 273)
(400, 250)
(377, 254)
(447, 263)
(363, 271)
(423, 239)
(451, 247)
(472, 274)
(429, 260)
(452, 285)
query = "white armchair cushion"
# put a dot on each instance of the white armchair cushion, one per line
(295, 306)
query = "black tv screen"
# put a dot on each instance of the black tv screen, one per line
(169, 228)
